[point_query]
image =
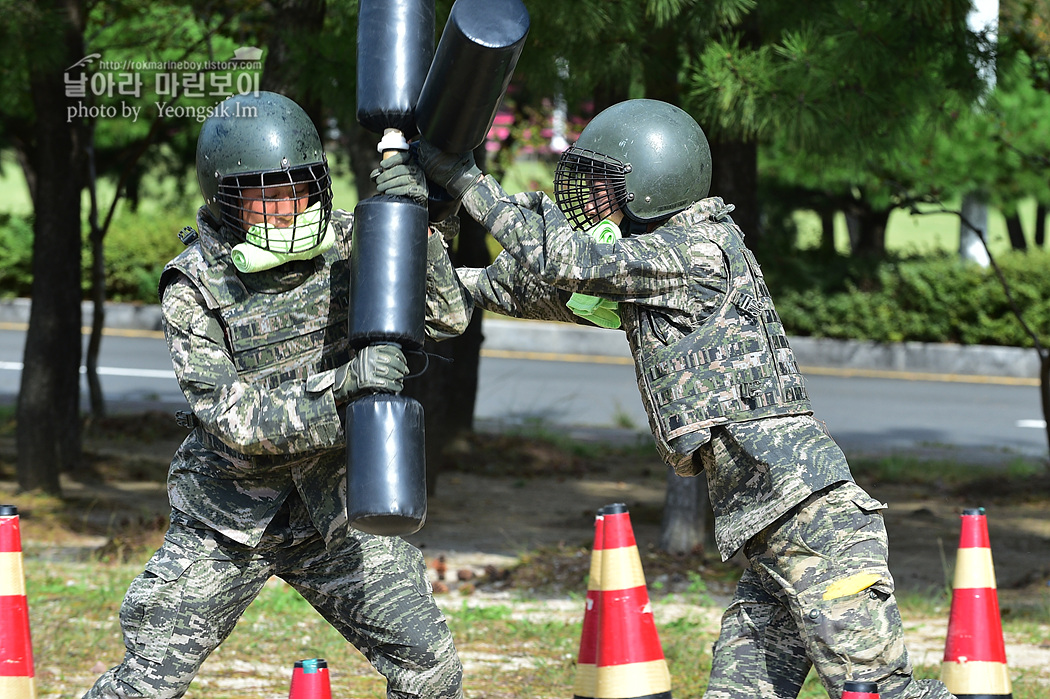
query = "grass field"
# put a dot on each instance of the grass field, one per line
(517, 619)
(512, 646)
(918, 234)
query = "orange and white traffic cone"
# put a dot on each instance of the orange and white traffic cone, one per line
(974, 652)
(16, 648)
(586, 686)
(630, 660)
(860, 690)
(310, 680)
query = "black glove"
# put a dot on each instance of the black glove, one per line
(373, 368)
(401, 175)
(456, 172)
(448, 227)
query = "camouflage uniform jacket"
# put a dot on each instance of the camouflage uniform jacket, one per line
(255, 356)
(715, 371)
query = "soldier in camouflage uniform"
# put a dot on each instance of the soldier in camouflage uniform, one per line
(258, 488)
(720, 385)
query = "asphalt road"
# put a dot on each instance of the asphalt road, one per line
(598, 395)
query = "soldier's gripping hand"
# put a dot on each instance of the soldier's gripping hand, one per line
(456, 172)
(373, 368)
(400, 175)
(448, 227)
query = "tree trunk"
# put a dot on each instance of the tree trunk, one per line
(827, 231)
(295, 24)
(361, 146)
(973, 229)
(1015, 231)
(871, 233)
(853, 226)
(735, 178)
(471, 251)
(688, 521)
(48, 432)
(98, 284)
(1040, 225)
(1044, 391)
(448, 390)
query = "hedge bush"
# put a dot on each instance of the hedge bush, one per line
(16, 244)
(927, 299)
(136, 248)
(935, 298)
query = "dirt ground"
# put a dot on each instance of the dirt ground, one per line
(519, 511)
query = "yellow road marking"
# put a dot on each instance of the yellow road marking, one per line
(116, 332)
(819, 371)
(919, 376)
(627, 361)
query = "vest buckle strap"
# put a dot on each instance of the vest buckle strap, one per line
(749, 306)
(185, 418)
(749, 390)
(188, 235)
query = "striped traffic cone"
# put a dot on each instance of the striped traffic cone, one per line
(586, 686)
(860, 690)
(310, 680)
(974, 664)
(630, 662)
(16, 648)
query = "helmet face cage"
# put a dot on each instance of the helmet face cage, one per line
(588, 186)
(265, 208)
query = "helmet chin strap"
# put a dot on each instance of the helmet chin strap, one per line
(634, 227)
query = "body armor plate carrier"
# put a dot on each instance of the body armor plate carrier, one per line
(736, 366)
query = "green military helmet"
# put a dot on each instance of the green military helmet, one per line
(648, 158)
(263, 172)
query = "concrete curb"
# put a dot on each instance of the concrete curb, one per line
(917, 357)
(119, 316)
(560, 338)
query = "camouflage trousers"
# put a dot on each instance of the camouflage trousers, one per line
(817, 593)
(372, 589)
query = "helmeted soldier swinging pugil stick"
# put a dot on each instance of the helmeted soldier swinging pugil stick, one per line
(255, 316)
(720, 385)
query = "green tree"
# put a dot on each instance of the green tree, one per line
(839, 93)
(47, 37)
(63, 117)
(124, 124)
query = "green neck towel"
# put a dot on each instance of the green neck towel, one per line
(249, 258)
(300, 237)
(601, 312)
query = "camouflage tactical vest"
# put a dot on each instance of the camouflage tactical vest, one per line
(274, 337)
(736, 366)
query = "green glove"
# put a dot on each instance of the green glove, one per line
(599, 311)
(249, 258)
(374, 368)
(456, 172)
(401, 176)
